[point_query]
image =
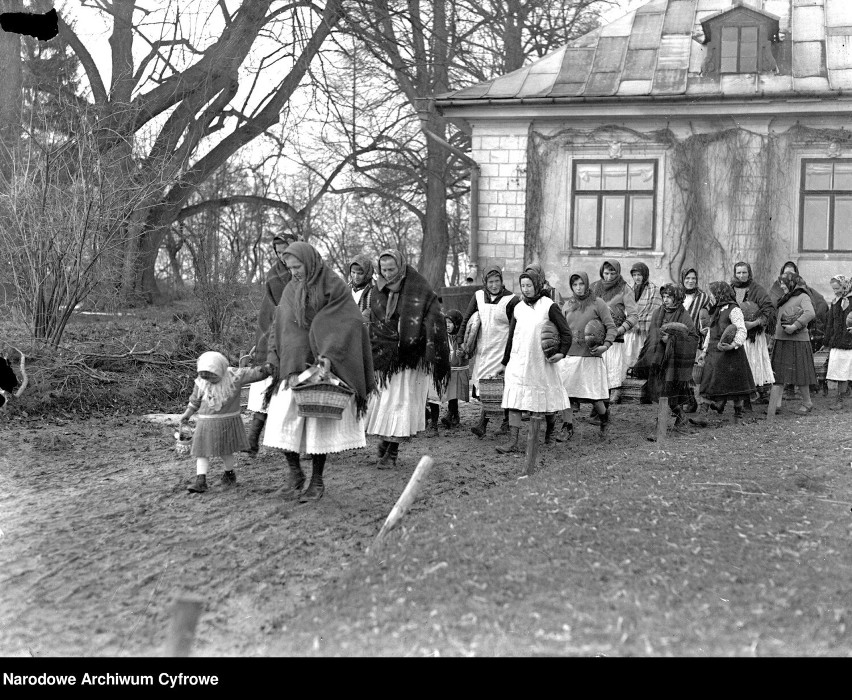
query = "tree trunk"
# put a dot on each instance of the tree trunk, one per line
(436, 240)
(11, 86)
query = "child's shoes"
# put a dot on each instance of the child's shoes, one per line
(229, 478)
(200, 485)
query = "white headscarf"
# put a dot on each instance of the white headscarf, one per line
(216, 394)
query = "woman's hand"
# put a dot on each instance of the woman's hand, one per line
(790, 329)
(555, 358)
(664, 337)
(325, 367)
(599, 350)
(725, 347)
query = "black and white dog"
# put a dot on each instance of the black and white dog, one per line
(8, 380)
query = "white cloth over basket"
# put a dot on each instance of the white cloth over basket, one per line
(532, 383)
(492, 336)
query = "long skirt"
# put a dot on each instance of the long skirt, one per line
(793, 363)
(634, 341)
(585, 377)
(614, 363)
(839, 365)
(218, 436)
(458, 386)
(398, 410)
(257, 392)
(757, 354)
(287, 430)
(726, 375)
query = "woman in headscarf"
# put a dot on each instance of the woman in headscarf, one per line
(532, 381)
(613, 289)
(277, 278)
(726, 373)
(316, 323)
(696, 302)
(584, 374)
(546, 288)
(816, 328)
(410, 349)
(459, 384)
(361, 280)
(668, 357)
(792, 357)
(838, 338)
(647, 301)
(756, 347)
(492, 303)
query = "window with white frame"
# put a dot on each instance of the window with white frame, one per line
(613, 204)
(825, 205)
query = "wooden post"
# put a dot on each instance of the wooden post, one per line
(185, 615)
(532, 443)
(774, 401)
(404, 502)
(662, 418)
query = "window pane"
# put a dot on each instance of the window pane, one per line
(818, 176)
(815, 227)
(585, 222)
(843, 175)
(641, 176)
(615, 176)
(730, 40)
(748, 64)
(641, 222)
(842, 223)
(728, 64)
(588, 176)
(748, 41)
(613, 222)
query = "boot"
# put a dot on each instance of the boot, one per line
(200, 485)
(388, 461)
(255, 428)
(700, 418)
(594, 418)
(513, 442)
(504, 427)
(297, 477)
(550, 421)
(229, 478)
(432, 429)
(680, 423)
(604, 425)
(383, 447)
(447, 420)
(479, 428)
(837, 404)
(316, 488)
(738, 414)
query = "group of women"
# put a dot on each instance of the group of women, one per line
(387, 339)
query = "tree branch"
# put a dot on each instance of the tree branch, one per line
(99, 92)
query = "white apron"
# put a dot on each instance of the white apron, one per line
(532, 383)
(492, 336)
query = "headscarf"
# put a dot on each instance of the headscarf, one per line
(723, 295)
(735, 282)
(216, 394)
(395, 283)
(319, 317)
(845, 291)
(538, 287)
(607, 290)
(493, 270)
(367, 266)
(676, 291)
(456, 317)
(643, 270)
(546, 289)
(795, 285)
(579, 303)
(689, 292)
(789, 263)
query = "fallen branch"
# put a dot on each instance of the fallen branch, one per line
(407, 498)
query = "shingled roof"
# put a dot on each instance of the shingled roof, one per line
(657, 51)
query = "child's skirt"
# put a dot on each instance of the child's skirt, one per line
(218, 435)
(458, 387)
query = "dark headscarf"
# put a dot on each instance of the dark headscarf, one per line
(789, 263)
(395, 283)
(367, 266)
(579, 303)
(318, 317)
(676, 291)
(643, 270)
(456, 317)
(683, 275)
(607, 290)
(538, 286)
(489, 271)
(546, 289)
(757, 295)
(735, 282)
(723, 295)
(795, 285)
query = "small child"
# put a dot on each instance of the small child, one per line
(457, 388)
(219, 431)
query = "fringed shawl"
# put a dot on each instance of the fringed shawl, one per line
(318, 317)
(414, 337)
(672, 361)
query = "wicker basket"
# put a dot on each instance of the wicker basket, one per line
(491, 395)
(183, 441)
(821, 365)
(631, 390)
(322, 400)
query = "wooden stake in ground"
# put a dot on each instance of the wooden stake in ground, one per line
(774, 402)
(662, 418)
(404, 502)
(532, 444)
(185, 614)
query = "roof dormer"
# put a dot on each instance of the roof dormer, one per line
(740, 40)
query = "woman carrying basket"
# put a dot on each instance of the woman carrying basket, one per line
(408, 334)
(493, 304)
(317, 322)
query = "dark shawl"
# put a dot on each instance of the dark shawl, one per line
(607, 290)
(723, 295)
(415, 335)
(277, 278)
(671, 362)
(366, 265)
(643, 270)
(318, 317)
(538, 287)
(702, 300)
(758, 295)
(795, 285)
